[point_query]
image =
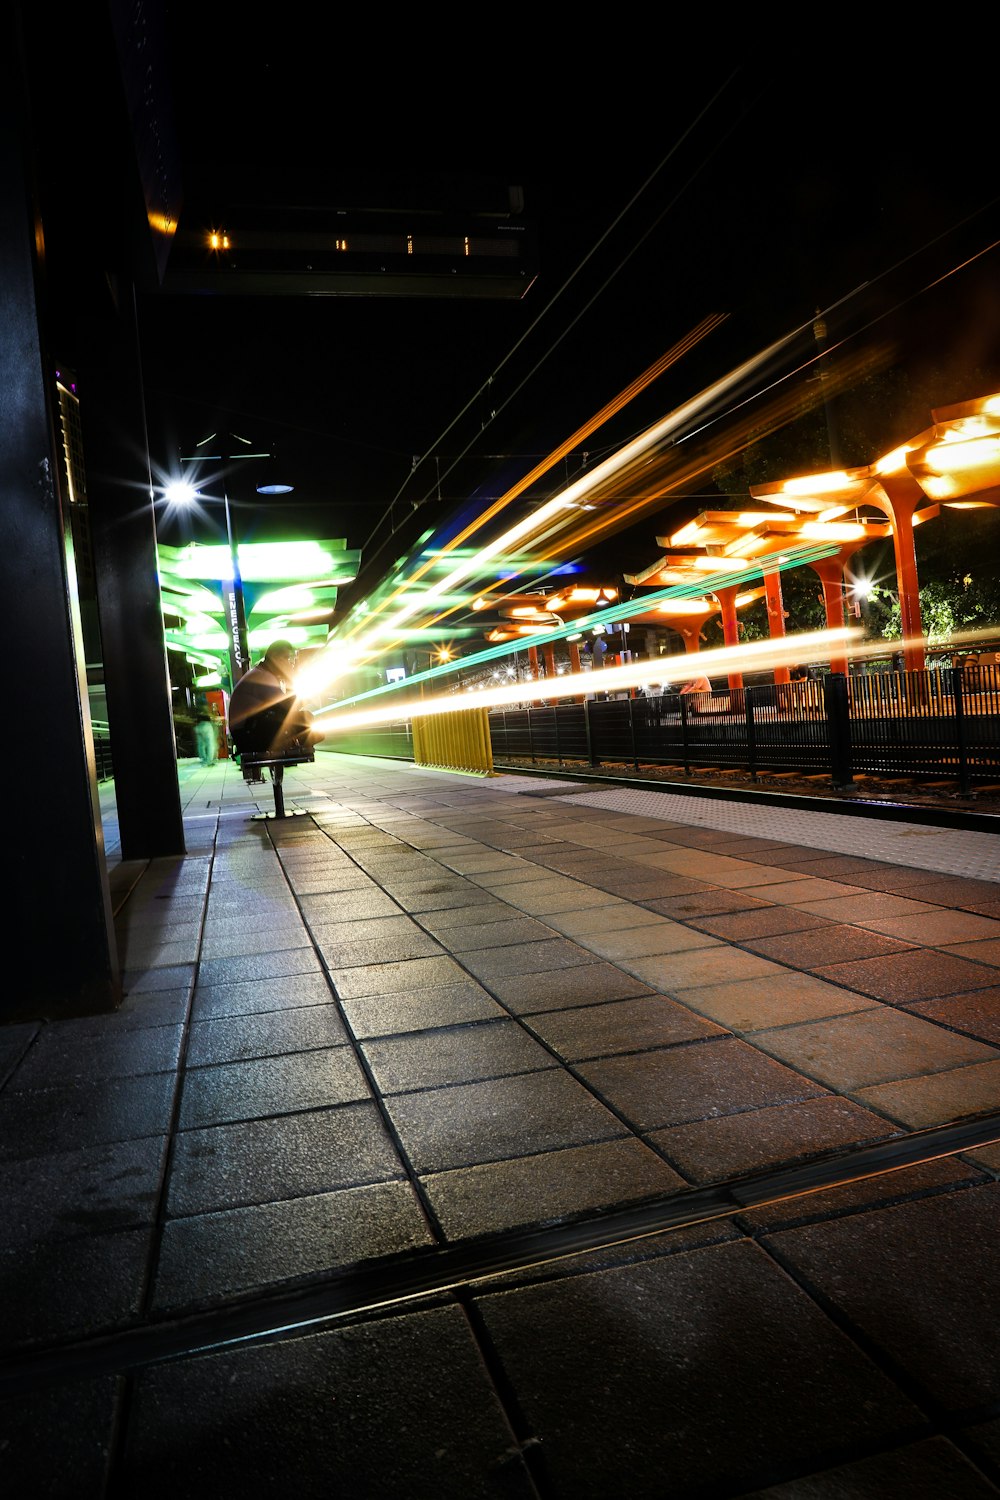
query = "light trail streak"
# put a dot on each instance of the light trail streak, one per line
(682, 347)
(611, 614)
(754, 656)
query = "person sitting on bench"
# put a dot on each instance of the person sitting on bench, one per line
(265, 715)
(696, 685)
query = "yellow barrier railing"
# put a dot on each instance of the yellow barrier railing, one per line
(455, 742)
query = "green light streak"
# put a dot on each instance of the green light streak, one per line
(614, 613)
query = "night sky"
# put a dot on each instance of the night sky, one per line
(664, 185)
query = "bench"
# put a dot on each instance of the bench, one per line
(251, 760)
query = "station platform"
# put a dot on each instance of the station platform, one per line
(499, 1136)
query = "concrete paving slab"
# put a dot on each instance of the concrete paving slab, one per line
(916, 974)
(93, 1284)
(739, 1397)
(976, 1013)
(476, 937)
(735, 1145)
(832, 942)
(259, 1087)
(787, 998)
(709, 901)
(619, 1026)
(871, 1046)
(525, 958)
(264, 1161)
(457, 1054)
(505, 1117)
(62, 1056)
(525, 1190)
(260, 996)
(390, 978)
(933, 1466)
(270, 1034)
(937, 1098)
(586, 983)
(210, 1257)
(38, 1121)
(711, 962)
(696, 1081)
(420, 1010)
(658, 938)
(932, 1313)
(340, 1393)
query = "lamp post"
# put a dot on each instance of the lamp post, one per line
(228, 453)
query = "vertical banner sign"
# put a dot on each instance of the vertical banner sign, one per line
(237, 666)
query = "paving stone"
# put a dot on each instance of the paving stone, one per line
(933, 1467)
(88, 1190)
(504, 1117)
(260, 1086)
(938, 1098)
(546, 1188)
(918, 974)
(833, 942)
(976, 1013)
(526, 958)
(871, 1046)
(789, 1385)
(263, 1161)
(62, 1057)
(458, 1054)
(761, 921)
(714, 963)
(585, 983)
(917, 1281)
(214, 1256)
(316, 1410)
(238, 970)
(694, 1082)
(619, 1026)
(476, 937)
(861, 1195)
(420, 1010)
(267, 1034)
(391, 978)
(261, 996)
(38, 1122)
(58, 1442)
(92, 1284)
(704, 903)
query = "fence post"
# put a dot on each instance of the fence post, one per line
(838, 720)
(531, 741)
(631, 730)
(958, 699)
(586, 728)
(751, 734)
(684, 734)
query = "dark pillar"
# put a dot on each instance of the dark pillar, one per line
(60, 954)
(123, 534)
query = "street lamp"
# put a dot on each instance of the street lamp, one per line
(228, 453)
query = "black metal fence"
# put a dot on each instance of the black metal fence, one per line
(933, 724)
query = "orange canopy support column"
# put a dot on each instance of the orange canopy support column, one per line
(905, 496)
(830, 571)
(533, 671)
(775, 614)
(549, 656)
(573, 647)
(730, 625)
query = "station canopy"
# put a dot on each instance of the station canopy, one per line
(289, 591)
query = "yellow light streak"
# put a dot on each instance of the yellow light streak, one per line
(754, 656)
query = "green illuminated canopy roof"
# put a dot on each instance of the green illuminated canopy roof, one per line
(289, 590)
